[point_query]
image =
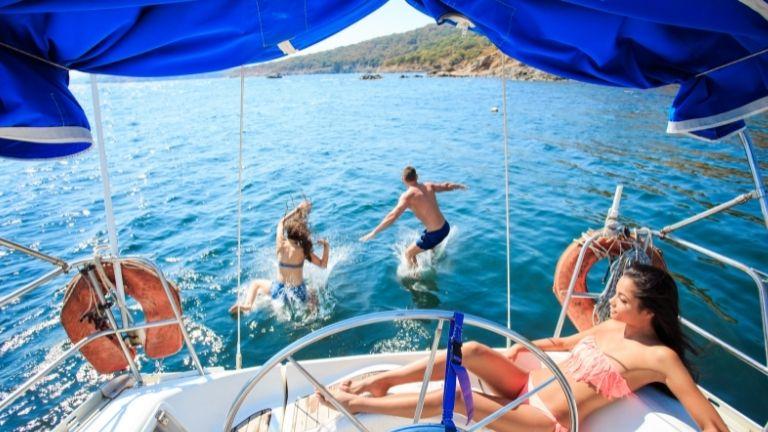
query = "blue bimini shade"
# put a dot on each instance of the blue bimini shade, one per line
(40, 117)
(41, 39)
(714, 50)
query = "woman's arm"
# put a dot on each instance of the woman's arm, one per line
(680, 382)
(322, 262)
(302, 211)
(553, 343)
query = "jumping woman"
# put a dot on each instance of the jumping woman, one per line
(292, 246)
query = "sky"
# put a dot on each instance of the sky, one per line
(396, 16)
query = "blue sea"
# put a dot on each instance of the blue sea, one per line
(172, 148)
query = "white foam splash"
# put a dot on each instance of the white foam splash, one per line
(426, 262)
(316, 279)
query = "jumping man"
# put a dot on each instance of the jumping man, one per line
(421, 199)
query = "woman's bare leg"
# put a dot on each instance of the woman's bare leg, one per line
(522, 418)
(255, 287)
(487, 364)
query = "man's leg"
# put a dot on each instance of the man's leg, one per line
(410, 254)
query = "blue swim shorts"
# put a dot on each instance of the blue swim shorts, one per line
(430, 239)
(282, 291)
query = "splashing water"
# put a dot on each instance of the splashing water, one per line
(426, 262)
(410, 336)
(290, 308)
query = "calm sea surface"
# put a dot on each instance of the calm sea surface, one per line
(172, 149)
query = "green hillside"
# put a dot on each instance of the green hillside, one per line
(439, 50)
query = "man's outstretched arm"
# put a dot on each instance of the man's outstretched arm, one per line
(448, 186)
(389, 219)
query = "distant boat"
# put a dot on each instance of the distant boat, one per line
(276, 75)
(370, 76)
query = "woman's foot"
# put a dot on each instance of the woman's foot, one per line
(242, 308)
(376, 385)
(344, 398)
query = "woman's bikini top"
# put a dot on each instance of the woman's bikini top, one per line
(289, 265)
(587, 363)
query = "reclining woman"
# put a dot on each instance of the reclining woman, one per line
(642, 343)
(292, 246)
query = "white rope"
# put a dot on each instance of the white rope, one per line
(239, 356)
(111, 229)
(506, 185)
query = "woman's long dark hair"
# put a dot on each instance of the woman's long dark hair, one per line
(298, 231)
(657, 293)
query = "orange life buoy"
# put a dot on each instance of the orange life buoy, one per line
(82, 316)
(580, 310)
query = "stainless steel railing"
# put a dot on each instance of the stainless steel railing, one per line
(117, 330)
(763, 298)
(757, 276)
(15, 394)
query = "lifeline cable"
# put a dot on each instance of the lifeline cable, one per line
(506, 183)
(239, 355)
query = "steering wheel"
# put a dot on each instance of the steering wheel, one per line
(417, 314)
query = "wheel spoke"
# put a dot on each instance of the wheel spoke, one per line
(428, 371)
(510, 406)
(328, 396)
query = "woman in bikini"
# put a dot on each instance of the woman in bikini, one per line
(293, 246)
(642, 343)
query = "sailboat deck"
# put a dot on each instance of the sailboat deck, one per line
(201, 403)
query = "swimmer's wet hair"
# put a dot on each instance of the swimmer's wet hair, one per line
(409, 174)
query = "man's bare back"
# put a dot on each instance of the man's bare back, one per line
(422, 201)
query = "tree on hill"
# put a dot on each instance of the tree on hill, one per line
(433, 49)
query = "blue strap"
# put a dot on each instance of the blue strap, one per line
(454, 370)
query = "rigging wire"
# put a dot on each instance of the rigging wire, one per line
(239, 355)
(506, 183)
(108, 209)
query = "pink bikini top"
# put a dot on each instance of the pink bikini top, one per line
(590, 365)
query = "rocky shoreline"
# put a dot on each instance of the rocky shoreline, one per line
(431, 50)
(485, 66)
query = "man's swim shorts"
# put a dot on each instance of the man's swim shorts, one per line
(430, 239)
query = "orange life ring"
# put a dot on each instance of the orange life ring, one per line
(81, 316)
(580, 310)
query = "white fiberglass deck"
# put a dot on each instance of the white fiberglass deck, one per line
(201, 403)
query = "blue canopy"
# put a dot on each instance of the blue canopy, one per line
(713, 49)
